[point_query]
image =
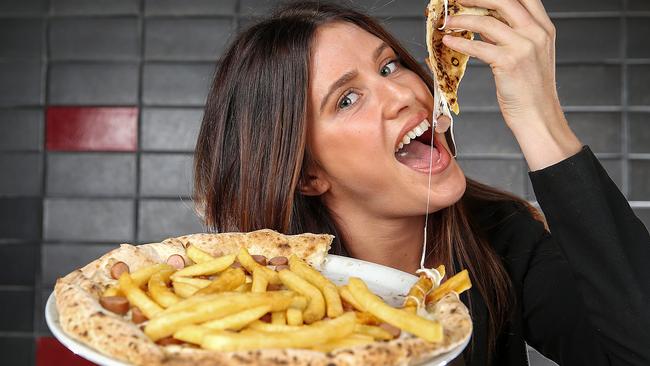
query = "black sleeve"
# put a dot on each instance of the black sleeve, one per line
(587, 288)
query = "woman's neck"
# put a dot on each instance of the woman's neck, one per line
(396, 243)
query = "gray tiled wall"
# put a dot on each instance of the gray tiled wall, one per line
(59, 210)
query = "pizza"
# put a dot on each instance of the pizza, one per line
(448, 66)
(91, 308)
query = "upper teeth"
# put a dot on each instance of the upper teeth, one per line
(412, 134)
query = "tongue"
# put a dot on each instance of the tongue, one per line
(417, 155)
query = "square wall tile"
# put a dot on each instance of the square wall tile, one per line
(23, 7)
(503, 174)
(22, 174)
(20, 218)
(95, 7)
(477, 88)
(638, 77)
(174, 129)
(94, 39)
(166, 175)
(58, 260)
(643, 214)
(639, 124)
(21, 38)
(21, 129)
(411, 34)
(189, 7)
(638, 5)
(587, 39)
(73, 174)
(406, 8)
(582, 5)
(17, 315)
(98, 83)
(589, 84)
(40, 326)
(483, 133)
(257, 7)
(161, 219)
(614, 170)
(20, 83)
(100, 220)
(92, 129)
(638, 44)
(20, 270)
(17, 350)
(186, 39)
(639, 180)
(177, 84)
(601, 131)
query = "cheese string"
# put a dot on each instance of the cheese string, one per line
(445, 15)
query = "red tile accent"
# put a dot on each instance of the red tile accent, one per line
(49, 352)
(92, 129)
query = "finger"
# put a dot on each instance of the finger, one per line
(492, 28)
(488, 53)
(537, 11)
(511, 10)
(486, 39)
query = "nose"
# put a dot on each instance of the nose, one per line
(396, 97)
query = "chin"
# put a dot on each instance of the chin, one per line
(451, 190)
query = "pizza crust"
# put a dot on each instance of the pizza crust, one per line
(83, 318)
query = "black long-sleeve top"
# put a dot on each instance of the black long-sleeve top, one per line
(581, 288)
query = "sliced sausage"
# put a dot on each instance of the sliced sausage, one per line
(236, 264)
(347, 306)
(278, 261)
(176, 261)
(116, 304)
(393, 330)
(168, 340)
(119, 268)
(273, 287)
(266, 318)
(137, 316)
(281, 267)
(259, 259)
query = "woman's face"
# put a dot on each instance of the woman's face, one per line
(362, 103)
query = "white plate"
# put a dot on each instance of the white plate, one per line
(389, 283)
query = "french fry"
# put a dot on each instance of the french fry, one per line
(167, 324)
(239, 320)
(345, 293)
(329, 290)
(192, 333)
(306, 337)
(294, 317)
(375, 332)
(158, 288)
(417, 293)
(193, 301)
(112, 291)
(184, 290)
(197, 255)
(364, 317)
(206, 268)
(269, 327)
(137, 297)
(249, 263)
(349, 341)
(424, 328)
(142, 275)
(260, 281)
(279, 317)
(227, 281)
(316, 306)
(247, 287)
(458, 283)
(196, 282)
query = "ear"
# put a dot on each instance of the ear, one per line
(315, 184)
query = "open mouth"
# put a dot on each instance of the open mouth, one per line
(415, 150)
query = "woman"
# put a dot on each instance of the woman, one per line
(302, 133)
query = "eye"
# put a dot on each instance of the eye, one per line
(348, 99)
(389, 68)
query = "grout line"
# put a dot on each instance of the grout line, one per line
(625, 167)
(141, 63)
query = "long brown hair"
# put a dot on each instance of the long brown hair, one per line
(252, 149)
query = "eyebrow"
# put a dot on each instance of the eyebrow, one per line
(349, 76)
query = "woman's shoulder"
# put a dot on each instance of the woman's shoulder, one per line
(509, 225)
